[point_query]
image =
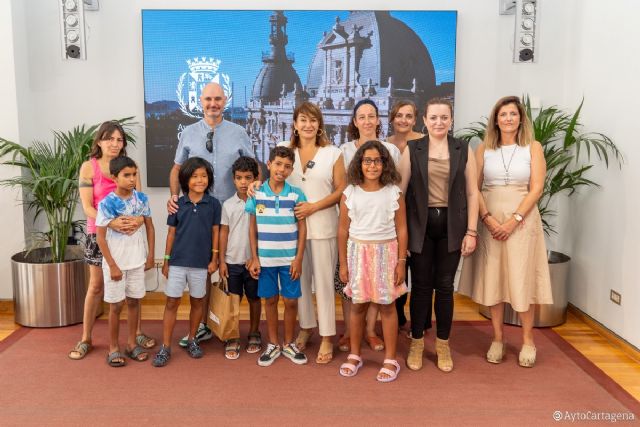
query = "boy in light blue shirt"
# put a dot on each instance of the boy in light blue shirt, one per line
(277, 242)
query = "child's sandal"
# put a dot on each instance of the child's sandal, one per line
(254, 344)
(391, 375)
(350, 368)
(232, 349)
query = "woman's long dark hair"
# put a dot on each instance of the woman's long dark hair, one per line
(103, 133)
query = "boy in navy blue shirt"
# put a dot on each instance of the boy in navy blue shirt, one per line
(189, 252)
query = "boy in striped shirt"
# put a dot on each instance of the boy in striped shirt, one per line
(277, 241)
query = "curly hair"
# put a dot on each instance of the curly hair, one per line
(245, 164)
(352, 130)
(390, 174)
(525, 129)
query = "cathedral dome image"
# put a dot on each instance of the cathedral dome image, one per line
(277, 76)
(364, 51)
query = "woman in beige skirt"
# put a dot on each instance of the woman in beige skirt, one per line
(510, 262)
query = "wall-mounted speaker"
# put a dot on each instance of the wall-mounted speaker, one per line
(525, 47)
(72, 29)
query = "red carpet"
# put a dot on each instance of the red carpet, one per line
(41, 386)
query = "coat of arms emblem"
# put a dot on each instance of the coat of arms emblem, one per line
(201, 72)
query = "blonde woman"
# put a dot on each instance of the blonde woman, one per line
(510, 264)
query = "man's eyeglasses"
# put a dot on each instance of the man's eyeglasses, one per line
(368, 161)
(210, 142)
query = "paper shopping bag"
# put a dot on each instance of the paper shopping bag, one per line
(224, 312)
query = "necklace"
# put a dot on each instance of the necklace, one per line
(507, 175)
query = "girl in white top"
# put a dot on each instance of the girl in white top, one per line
(319, 172)
(372, 245)
(365, 126)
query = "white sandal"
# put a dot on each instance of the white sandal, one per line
(392, 374)
(350, 367)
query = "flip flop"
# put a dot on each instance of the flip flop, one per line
(392, 374)
(136, 352)
(111, 359)
(350, 367)
(82, 348)
(145, 341)
(325, 354)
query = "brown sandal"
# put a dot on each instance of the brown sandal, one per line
(325, 354)
(375, 342)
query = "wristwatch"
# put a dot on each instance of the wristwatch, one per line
(517, 217)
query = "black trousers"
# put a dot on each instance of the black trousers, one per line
(434, 269)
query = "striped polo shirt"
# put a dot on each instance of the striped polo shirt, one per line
(277, 224)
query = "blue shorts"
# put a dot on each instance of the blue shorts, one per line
(240, 281)
(268, 283)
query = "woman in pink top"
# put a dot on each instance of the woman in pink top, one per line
(94, 182)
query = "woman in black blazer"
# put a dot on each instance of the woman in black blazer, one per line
(442, 215)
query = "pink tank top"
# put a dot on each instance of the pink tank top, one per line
(101, 187)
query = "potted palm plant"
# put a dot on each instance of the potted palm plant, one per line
(569, 153)
(49, 278)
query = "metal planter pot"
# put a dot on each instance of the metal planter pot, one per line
(49, 294)
(548, 314)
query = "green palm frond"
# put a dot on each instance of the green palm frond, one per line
(50, 185)
(565, 148)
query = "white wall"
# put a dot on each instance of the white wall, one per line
(12, 223)
(575, 36)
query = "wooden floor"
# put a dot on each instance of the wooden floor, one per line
(617, 363)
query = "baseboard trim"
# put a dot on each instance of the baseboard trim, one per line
(610, 336)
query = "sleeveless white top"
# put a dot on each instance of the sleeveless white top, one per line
(507, 165)
(317, 183)
(372, 213)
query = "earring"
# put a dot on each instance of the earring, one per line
(320, 132)
(378, 130)
(424, 129)
(295, 132)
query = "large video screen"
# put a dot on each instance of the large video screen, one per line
(270, 61)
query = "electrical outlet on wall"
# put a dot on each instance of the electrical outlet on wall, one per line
(616, 297)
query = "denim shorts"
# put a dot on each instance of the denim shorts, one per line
(180, 277)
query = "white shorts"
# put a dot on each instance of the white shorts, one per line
(180, 277)
(131, 285)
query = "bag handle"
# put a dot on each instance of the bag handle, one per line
(223, 285)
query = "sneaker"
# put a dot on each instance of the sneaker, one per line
(162, 357)
(269, 355)
(291, 352)
(202, 334)
(194, 349)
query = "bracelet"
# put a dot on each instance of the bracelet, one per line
(471, 235)
(402, 259)
(167, 257)
(215, 251)
(483, 217)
